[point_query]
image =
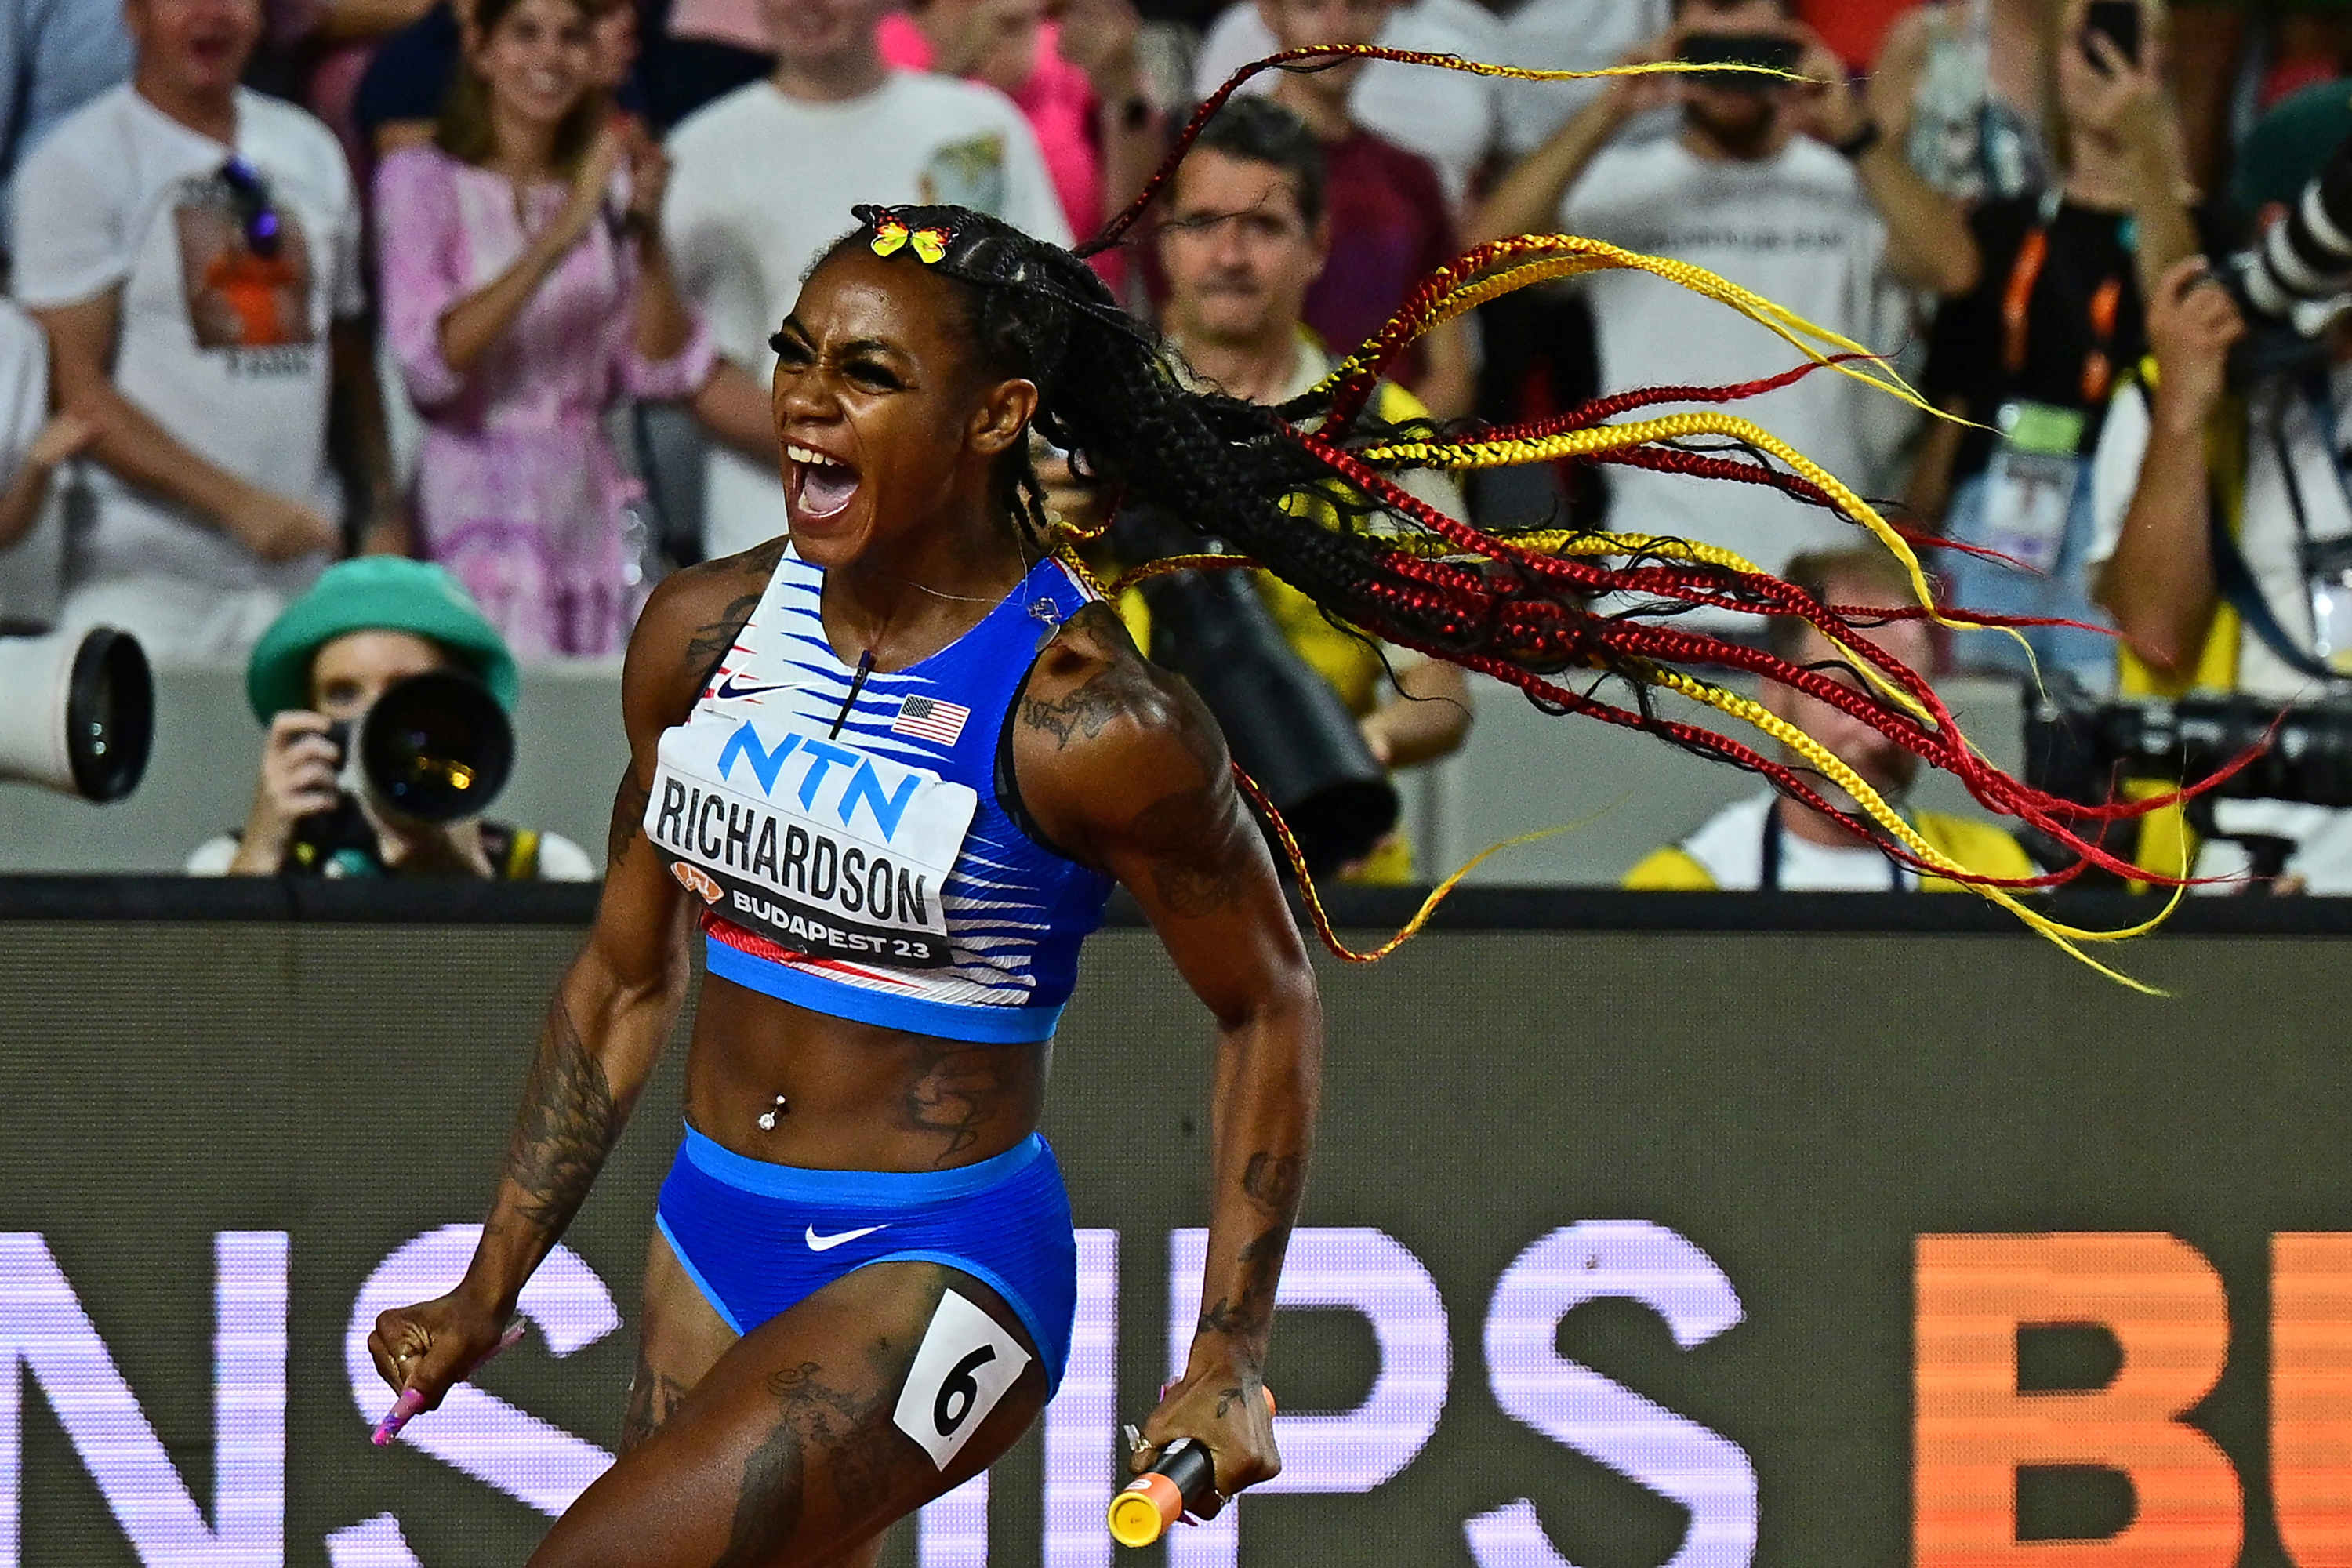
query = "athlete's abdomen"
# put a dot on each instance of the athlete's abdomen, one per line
(856, 1096)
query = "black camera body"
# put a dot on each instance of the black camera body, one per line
(433, 748)
(1287, 728)
(2082, 750)
(1760, 52)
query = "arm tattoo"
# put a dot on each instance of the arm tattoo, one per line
(1245, 1314)
(1120, 688)
(957, 1090)
(713, 638)
(628, 811)
(1271, 1181)
(844, 1433)
(1199, 845)
(565, 1127)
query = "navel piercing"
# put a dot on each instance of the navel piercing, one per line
(768, 1117)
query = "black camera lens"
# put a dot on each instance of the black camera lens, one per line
(436, 747)
(109, 715)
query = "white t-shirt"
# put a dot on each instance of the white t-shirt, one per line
(1571, 36)
(2267, 540)
(1795, 229)
(30, 571)
(226, 350)
(762, 183)
(1731, 847)
(1448, 117)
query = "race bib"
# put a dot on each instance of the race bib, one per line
(966, 1364)
(2029, 484)
(828, 850)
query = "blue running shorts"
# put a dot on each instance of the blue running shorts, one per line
(758, 1238)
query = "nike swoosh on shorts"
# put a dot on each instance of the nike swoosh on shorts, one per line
(827, 1243)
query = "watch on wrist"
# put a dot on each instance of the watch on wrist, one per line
(1861, 141)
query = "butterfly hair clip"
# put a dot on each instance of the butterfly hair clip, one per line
(892, 235)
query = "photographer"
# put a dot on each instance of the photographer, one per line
(2032, 353)
(2217, 505)
(318, 669)
(1783, 187)
(1773, 844)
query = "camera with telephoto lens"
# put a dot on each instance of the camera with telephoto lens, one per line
(77, 713)
(2295, 280)
(433, 748)
(1287, 727)
(2083, 750)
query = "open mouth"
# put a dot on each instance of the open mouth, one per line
(822, 486)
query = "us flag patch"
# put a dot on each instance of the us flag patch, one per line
(928, 719)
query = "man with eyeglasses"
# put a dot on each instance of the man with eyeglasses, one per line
(1247, 232)
(193, 250)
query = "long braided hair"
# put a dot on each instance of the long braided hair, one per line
(1516, 605)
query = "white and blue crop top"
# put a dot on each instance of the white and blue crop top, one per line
(847, 838)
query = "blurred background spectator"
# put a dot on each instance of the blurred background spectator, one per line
(2219, 502)
(1245, 234)
(1387, 218)
(764, 181)
(192, 248)
(2032, 351)
(54, 56)
(1447, 117)
(33, 442)
(1075, 77)
(525, 291)
(398, 102)
(311, 680)
(1788, 190)
(1961, 86)
(1772, 844)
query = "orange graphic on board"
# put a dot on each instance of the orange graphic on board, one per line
(1974, 1428)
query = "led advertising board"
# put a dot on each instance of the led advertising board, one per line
(1621, 1248)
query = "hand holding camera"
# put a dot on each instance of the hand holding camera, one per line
(405, 781)
(300, 760)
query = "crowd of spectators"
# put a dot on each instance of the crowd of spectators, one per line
(295, 281)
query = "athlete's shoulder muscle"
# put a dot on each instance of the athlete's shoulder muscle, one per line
(1102, 734)
(691, 620)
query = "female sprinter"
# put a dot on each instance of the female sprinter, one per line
(892, 762)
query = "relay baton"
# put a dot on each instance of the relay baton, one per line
(410, 1404)
(1179, 1483)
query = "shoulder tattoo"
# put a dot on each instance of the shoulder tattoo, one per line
(714, 638)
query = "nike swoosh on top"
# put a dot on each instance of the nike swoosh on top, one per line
(827, 1243)
(726, 691)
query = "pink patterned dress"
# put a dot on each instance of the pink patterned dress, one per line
(519, 491)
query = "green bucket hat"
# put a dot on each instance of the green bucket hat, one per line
(2291, 143)
(375, 593)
